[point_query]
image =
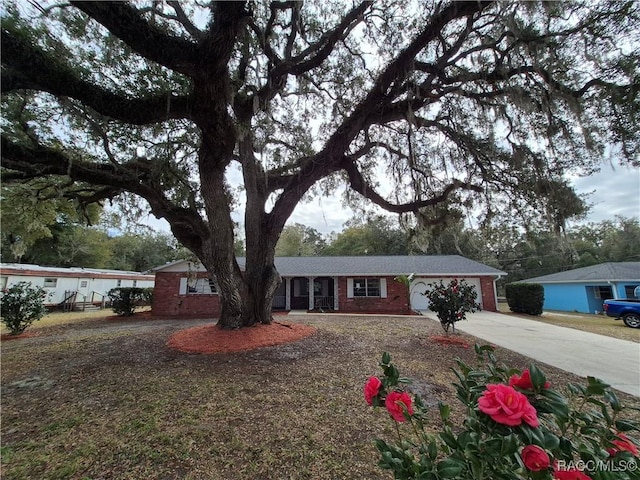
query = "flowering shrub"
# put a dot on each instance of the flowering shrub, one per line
(516, 427)
(452, 302)
(20, 305)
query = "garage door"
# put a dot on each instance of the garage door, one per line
(420, 284)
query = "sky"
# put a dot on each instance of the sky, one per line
(615, 190)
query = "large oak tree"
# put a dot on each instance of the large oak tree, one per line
(408, 105)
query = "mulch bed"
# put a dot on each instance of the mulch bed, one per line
(210, 339)
(6, 336)
(447, 340)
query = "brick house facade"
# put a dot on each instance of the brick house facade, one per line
(340, 284)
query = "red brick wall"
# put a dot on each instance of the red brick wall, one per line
(397, 301)
(167, 301)
(488, 294)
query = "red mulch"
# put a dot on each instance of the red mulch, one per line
(6, 336)
(446, 340)
(211, 339)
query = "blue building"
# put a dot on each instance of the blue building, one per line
(585, 289)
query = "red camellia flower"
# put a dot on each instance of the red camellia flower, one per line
(622, 443)
(394, 403)
(504, 405)
(571, 474)
(535, 458)
(371, 389)
(524, 381)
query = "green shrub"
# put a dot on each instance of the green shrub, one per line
(525, 297)
(22, 304)
(124, 300)
(511, 425)
(147, 296)
(452, 302)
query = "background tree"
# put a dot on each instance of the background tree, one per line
(405, 103)
(140, 253)
(299, 240)
(375, 235)
(33, 211)
(72, 246)
(615, 240)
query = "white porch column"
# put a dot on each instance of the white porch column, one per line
(287, 289)
(335, 293)
(311, 293)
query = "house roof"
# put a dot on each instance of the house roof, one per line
(432, 265)
(604, 272)
(28, 270)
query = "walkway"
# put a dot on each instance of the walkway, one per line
(616, 362)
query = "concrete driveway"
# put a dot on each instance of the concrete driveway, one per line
(616, 362)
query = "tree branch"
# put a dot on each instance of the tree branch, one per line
(126, 23)
(38, 161)
(360, 185)
(184, 20)
(25, 66)
(308, 59)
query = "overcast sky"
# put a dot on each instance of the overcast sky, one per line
(613, 191)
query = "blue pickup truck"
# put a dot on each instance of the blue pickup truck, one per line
(627, 309)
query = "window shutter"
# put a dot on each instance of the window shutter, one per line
(183, 286)
(349, 287)
(383, 288)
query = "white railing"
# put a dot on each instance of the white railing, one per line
(279, 301)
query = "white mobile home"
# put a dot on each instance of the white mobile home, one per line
(72, 285)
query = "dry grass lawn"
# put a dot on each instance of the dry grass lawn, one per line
(98, 398)
(600, 324)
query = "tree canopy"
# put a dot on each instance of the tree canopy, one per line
(201, 109)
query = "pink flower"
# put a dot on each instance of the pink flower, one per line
(535, 458)
(524, 381)
(397, 403)
(506, 406)
(622, 443)
(371, 389)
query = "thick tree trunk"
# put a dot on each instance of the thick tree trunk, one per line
(246, 297)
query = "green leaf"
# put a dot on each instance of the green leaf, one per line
(551, 441)
(445, 411)
(595, 386)
(433, 450)
(613, 400)
(448, 438)
(627, 425)
(386, 358)
(450, 468)
(537, 377)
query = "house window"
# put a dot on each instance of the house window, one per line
(603, 292)
(83, 284)
(366, 287)
(135, 283)
(632, 291)
(201, 286)
(119, 283)
(50, 282)
(301, 287)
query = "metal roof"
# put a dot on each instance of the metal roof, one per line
(603, 272)
(432, 265)
(39, 270)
